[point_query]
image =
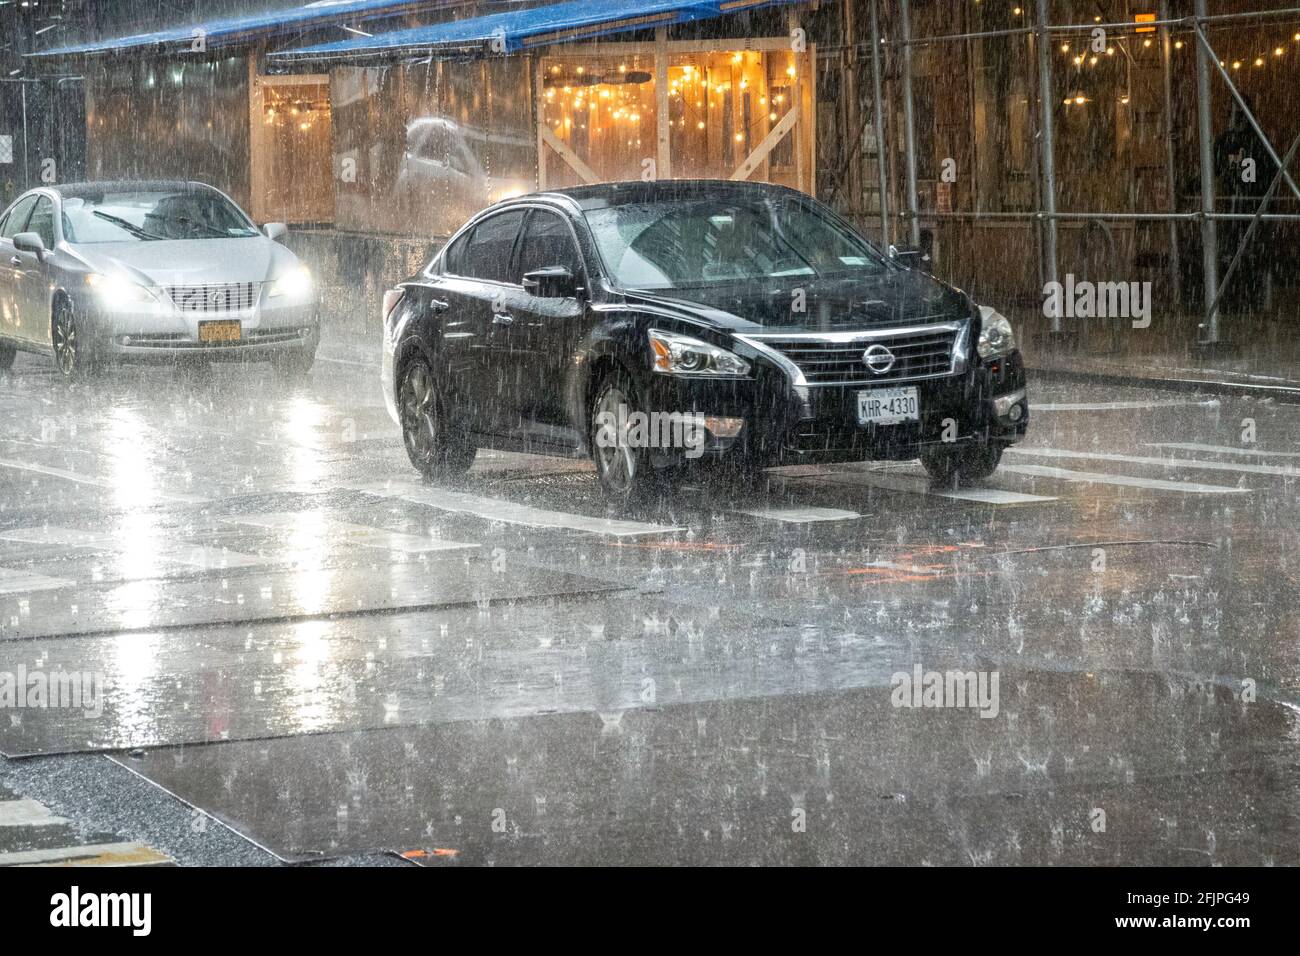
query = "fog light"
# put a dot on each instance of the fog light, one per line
(723, 427)
(1010, 405)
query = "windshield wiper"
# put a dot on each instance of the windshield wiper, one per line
(188, 223)
(130, 227)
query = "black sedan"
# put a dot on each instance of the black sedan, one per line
(667, 326)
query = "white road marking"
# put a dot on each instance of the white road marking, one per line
(1196, 463)
(354, 534)
(189, 555)
(100, 854)
(1120, 406)
(495, 509)
(1223, 449)
(917, 484)
(20, 582)
(87, 479)
(799, 515)
(26, 813)
(1096, 478)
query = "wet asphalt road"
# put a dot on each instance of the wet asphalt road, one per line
(306, 654)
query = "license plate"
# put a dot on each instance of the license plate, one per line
(223, 331)
(888, 406)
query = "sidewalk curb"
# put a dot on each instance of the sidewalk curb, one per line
(1285, 394)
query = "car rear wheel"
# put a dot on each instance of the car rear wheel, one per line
(73, 352)
(625, 472)
(962, 465)
(435, 446)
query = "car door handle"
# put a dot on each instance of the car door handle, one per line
(437, 305)
(501, 318)
(15, 260)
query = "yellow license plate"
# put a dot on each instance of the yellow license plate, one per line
(219, 331)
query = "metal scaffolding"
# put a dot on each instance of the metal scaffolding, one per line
(1046, 214)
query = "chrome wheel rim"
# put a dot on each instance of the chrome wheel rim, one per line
(616, 457)
(419, 409)
(65, 340)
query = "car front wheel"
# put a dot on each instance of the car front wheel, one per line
(961, 465)
(623, 468)
(73, 351)
(436, 447)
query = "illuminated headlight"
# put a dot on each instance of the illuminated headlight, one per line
(996, 337)
(118, 293)
(295, 284)
(680, 355)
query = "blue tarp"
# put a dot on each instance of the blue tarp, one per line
(293, 20)
(524, 29)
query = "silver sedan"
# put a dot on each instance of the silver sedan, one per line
(131, 271)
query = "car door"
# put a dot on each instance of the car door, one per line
(475, 284)
(11, 268)
(33, 276)
(546, 332)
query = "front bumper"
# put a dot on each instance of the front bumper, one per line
(164, 333)
(788, 424)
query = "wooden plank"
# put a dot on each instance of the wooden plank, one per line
(585, 172)
(778, 133)
(663, 151)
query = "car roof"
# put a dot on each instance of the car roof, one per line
(86, 189)
(602, 195)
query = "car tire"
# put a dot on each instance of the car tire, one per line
(74, 354)
(437, 448)
(962, 465)
(627, 476)
(7, 355)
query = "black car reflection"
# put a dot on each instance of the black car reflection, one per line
(667, 326)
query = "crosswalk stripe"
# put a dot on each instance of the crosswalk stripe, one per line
(1131, 481)
(1197, 463)
(21, 582)
(91, 854)
(82, 479)
(799, 515)
(917, 484)
(27, 813)
(1223, 449)
(190, 555)
(354, 534)
(495, 509)
(1120, 406)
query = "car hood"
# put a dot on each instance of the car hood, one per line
(895, 297)
(190, 261)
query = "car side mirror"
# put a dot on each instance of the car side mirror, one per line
(29, 242)
(275, 231)
(553, 282)
(911, 258)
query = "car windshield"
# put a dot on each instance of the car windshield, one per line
(128, 216)
(678, 244)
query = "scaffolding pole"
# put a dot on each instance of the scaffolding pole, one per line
(1209, 235)
(909, 120)
(1046, 155)
(1166, 62)
(877, 108)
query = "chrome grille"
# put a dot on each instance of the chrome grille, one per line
(215, 297)
(837, 358)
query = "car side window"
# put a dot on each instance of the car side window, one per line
(487, 255)
(42, 221)
(453, 261)
(548, 241)
(17, 221)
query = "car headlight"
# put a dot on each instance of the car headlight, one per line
(117, 293)
(681, 355)
(996, 337)
(296, 284)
